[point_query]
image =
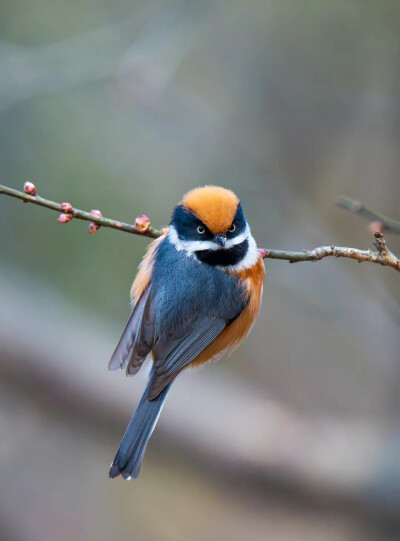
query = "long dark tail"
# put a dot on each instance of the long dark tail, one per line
(128, 460)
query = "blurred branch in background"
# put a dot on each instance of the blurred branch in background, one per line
(143, 52)
(31, 72)
(142, 226)
(376, 220)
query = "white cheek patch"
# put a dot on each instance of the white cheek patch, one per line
(189, 246)
(249, 259)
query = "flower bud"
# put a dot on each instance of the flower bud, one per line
(93, 228)
(96, 213)
(142, 223)
(30, 188)
(376, 227)
(67, 207)
(65, 218)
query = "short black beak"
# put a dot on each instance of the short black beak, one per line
(220, 239)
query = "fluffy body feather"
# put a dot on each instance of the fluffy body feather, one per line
(195, 300)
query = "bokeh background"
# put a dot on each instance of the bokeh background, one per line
(123, 106)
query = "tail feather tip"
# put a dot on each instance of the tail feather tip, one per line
(114, 471)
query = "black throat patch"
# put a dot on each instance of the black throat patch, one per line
(224, 257)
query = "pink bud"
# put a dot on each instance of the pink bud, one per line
(142, 223)
(96, 213)
(30, 188)
(376, 227)
(65, 218)
(263, 253)
(67, 207)
(93, 228)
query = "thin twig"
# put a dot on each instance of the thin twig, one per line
(383, 256)
(80, 214)
(359, 208)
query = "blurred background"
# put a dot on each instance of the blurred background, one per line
(123, 106)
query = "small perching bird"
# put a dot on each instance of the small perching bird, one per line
(197, 293)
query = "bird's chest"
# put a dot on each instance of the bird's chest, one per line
(186, 288)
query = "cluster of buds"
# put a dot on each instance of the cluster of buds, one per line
(29, 188)
(142, 223)
(93, 227)
(68, 213)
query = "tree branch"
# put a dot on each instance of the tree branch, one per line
(357, 207)
(383, 256)
(81, 214)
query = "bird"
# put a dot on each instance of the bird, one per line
(197, 294)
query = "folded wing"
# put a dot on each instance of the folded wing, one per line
(137, 339)
(171, 353)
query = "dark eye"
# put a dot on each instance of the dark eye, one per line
(200, 230)
(232, 228)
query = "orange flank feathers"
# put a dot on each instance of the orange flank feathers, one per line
(214, 206)
(237, 331)
(143, 275)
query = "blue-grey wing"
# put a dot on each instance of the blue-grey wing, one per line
(172, 354)
(138, 337)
